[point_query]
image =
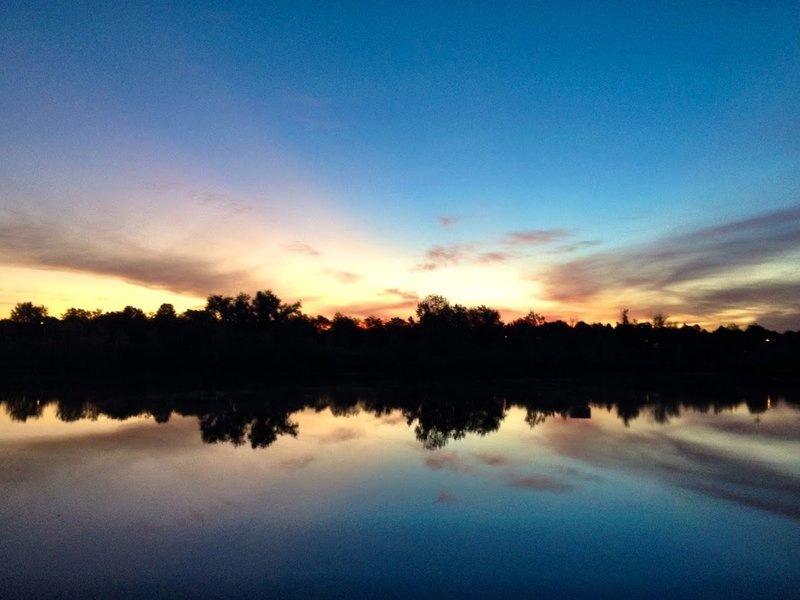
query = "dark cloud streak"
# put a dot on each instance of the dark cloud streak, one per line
(42, 244)
(691, 257)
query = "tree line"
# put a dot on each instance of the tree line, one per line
(261, 335)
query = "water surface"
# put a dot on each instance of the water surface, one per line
(400, 493)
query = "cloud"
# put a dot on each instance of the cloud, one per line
(570, 248)
(39, 243)
(448, 221)
(693, 257)
(440, 256)
(223, 203)
(410, 296)
(482, 252)
(778, 292)
(344, 276)
(302, 248)
(493, 257)
(535, 237)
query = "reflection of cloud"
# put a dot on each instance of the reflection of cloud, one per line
(445, 498)
(493, 460)
(539, 482)
(45, 244)
(687, 258)
(341, 434)
(535, 237)
(394, 419)
(696, 461)
(450, 461)
(448, 221)
(297, 463)
(45, 458)
(746, 482)
(302, 248)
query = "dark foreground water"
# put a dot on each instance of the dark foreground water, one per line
(400, 493)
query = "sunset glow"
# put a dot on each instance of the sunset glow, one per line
(570, 160)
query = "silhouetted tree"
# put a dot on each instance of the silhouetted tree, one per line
(28, 312)
(220, 307)
(270, 310)
(165, 314)
(660, 320)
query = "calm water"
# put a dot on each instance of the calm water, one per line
(401, 493)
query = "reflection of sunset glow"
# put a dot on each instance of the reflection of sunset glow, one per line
(48, 426)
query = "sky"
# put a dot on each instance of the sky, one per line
(568, 158)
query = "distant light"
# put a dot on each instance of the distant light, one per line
(766, 340)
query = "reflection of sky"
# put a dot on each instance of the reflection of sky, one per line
(356, 506)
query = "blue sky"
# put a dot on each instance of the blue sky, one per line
(358, 157)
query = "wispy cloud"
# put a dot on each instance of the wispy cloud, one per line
(222, 202)
(493, 257)
(448, 221)
(570, 248)
(535, 237)
(510, 246)
(440, 256)
(411, 296)
(303, 248)
(343, 276)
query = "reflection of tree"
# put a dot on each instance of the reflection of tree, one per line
(22, 408)
(260, 423)
(664, 411)
(534, 417)
(437, 413)
(76, 411)
(444, 418)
